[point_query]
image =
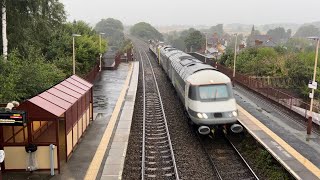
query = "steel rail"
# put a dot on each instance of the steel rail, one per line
(245, 162)
(163, 116)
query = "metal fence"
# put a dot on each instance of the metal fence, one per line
(293, 103)
(91, 76)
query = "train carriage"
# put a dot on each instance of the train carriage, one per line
(205, 92)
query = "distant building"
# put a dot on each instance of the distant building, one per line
(260, 41)
(215, 45)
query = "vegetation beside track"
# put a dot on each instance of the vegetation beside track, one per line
(261, 160)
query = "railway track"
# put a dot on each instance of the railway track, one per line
(226, 159)
(158, 161)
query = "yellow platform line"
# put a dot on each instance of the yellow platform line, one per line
(95, 164)
(309, 165)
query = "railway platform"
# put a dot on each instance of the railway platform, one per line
(285, 140)
(110, 92)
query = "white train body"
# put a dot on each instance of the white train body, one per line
(205, 92)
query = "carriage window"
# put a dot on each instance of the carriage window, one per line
(214, 92)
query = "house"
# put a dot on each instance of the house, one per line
(263, 41)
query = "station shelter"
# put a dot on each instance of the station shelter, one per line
(58, 116)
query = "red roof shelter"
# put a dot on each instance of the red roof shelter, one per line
(57, 116)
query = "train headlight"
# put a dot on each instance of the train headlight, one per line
(205, 115)
(234, 113)
(199, 115)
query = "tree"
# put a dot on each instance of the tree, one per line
(296, 44)
(233, 40)
(32, 22)
(176, 39)
(113, 30)
(22, 78)
(40, 48)
(195, 39)
(87, 47)
(4, 31)
(179, 43)
(306, 31)
(217, 29)
(289, 32)
(279, 34)
(145, 31)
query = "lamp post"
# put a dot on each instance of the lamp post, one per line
(313, 87)
(234, 58)
(74, 52)
(205, 51)
(100, 65)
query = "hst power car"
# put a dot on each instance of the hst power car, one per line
(205, 92)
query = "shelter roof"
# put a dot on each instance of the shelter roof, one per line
(58, 99)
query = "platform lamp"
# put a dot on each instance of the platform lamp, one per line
(234, 57)
(100, 36)
(205, 51)
(74, 52)
(313, 86)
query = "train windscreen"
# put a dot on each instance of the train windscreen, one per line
(213, 92)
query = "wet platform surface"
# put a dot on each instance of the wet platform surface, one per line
(115, 156)
(290, 132)
(105, 95)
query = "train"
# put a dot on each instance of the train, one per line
(206, 93)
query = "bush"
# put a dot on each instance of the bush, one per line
(24, 78)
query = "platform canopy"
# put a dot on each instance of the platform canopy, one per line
(54, 102)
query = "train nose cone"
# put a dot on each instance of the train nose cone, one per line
(204, 130)
(236, 128)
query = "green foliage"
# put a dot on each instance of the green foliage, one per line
(113, 30)
(233, 40)
(179, 43)
(195, 41)
(297, 44)
(254, 61)
(145, 31)
(295, 67)
(40, 48)
(178, 39)
(24, 78)
(126, 45)
(279, 34)
(31, 23)
(307, 31)
(259, 158)
(218, 29)
(87, 47)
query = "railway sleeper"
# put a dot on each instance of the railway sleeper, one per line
(158, 130)
(156, 134)
(157, 138)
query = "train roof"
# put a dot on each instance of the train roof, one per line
(208, 77)
(169, 50)
(186, 65)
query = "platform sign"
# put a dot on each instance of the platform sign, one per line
(313, 85)
(12, 118)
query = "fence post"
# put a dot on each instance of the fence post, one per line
(306, 112)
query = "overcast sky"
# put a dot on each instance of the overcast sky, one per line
(194, 12)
